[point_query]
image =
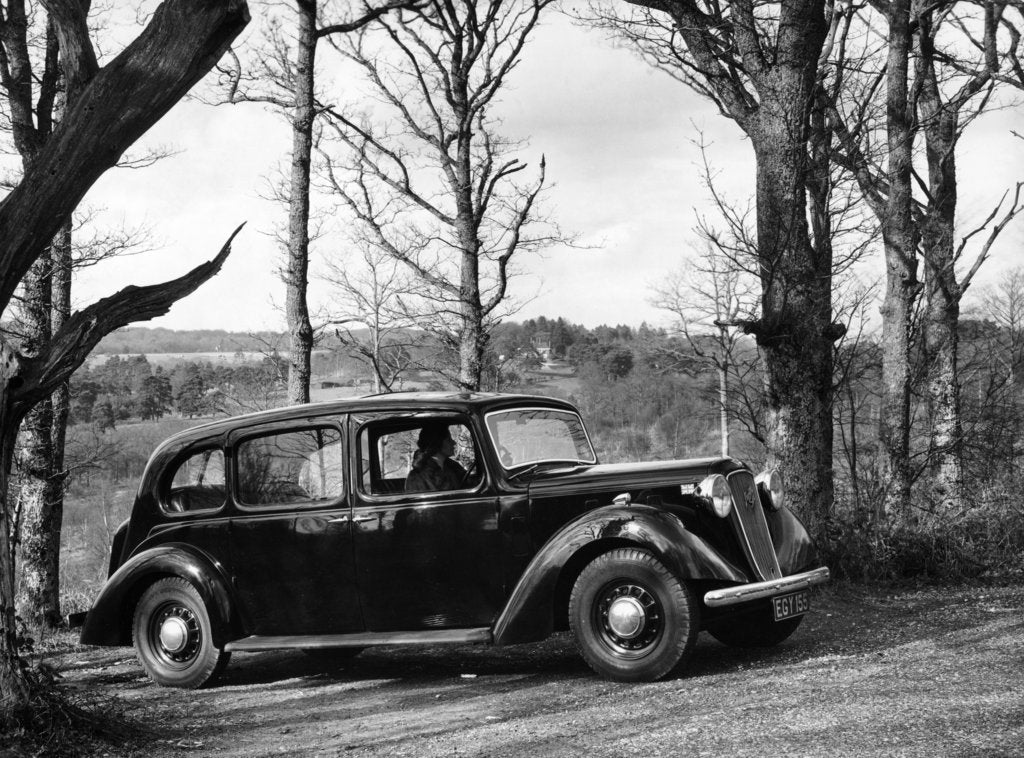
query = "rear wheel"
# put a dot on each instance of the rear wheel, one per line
(633, 619)
(757, 628)
(173, 636)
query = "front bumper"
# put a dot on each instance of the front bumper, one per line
(744, 593)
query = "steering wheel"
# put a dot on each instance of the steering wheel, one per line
(468, 475)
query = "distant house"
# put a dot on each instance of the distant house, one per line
(542, 344)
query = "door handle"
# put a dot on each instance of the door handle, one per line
(361, 519)
(339, 520)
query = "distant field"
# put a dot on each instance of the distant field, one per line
(173, 359)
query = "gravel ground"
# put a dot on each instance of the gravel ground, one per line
(924, 672)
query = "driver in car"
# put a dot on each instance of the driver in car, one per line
(432, 466)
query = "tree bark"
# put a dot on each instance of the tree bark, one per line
(300, 330)
(795, 334)
(39, 528)
(60, 312)
(42, 442)
(723, 406)
(901, 284)
(942, 313)
(14, 690)
(940, 121)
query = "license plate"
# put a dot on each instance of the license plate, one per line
(794, 604)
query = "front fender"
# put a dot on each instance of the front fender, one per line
(529, 613)
(109, 620)
(792, 543)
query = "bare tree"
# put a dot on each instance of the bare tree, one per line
(109, 108)
(937, 93)
(994, 371)
(282, 74)
(432, 182)
(39, 309)
(954, 89)
(706, 296)
(876, 145)
(369, 295)
(759, 63)
(31, 54)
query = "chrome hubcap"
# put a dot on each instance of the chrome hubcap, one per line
(173, 635)
(176, 634)
(626, 617)
(629, 619)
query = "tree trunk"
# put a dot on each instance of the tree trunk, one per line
(901, 284)
(60, 312)
(894, 408)
(39, 529)
(942, 315)
(44, 432)
(472, 336)
(300, 329)
(943, 292)
(14, 694)
(723, 405)
(795, 333)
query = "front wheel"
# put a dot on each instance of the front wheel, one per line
(173, 636)
(633, 619)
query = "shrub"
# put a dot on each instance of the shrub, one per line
(985, 539)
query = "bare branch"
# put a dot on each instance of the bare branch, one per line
(1011, 212)
(83, 330)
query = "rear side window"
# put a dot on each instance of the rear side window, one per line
(198, 483)
(300, 466)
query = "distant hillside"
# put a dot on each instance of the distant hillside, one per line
(136, 339)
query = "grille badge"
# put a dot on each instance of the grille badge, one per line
(750, 501)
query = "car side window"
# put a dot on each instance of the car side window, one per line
(198, 483)
(434, 455)
(298, 466)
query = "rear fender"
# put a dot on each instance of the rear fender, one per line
(109, 620)
(529, 613)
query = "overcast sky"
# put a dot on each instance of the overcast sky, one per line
(618, 139)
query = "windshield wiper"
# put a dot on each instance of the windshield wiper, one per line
(527, 470)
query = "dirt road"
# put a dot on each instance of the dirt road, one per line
(910, 673)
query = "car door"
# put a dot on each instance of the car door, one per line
(291, 539)
(426, 559)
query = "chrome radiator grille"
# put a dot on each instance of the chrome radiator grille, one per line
(748, 517)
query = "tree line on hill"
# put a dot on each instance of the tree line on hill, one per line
(119, 389)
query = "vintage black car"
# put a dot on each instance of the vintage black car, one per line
(305, 527)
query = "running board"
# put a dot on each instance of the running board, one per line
(361, 639)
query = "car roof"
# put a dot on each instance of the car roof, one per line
(468, 402)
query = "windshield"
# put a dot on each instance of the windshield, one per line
(522, 436)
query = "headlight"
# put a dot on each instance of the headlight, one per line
(716, 490)
(773, 487)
